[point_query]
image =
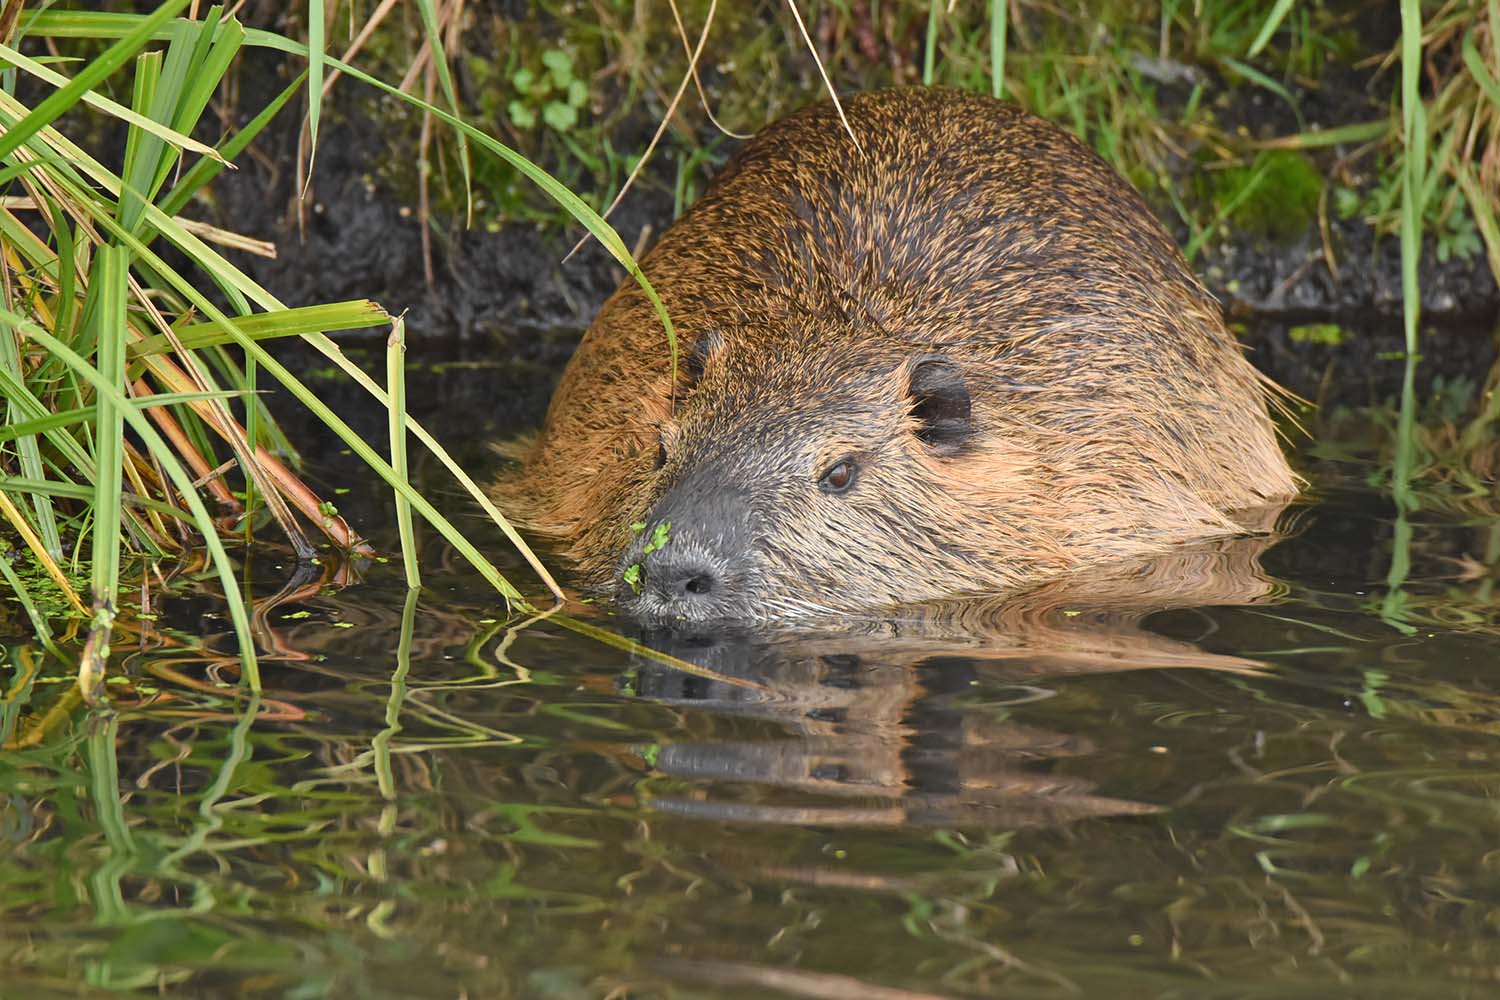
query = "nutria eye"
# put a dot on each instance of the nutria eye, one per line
(661, 454)
(839, 478)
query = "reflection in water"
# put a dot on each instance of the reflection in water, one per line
(882, 726)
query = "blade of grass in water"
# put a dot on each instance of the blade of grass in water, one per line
(395, 383)
(1393, 605)
(381, 744)
(38, 620)
(106, 305)
(1414, 133)
(211, 803)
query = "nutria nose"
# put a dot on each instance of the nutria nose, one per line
(681, 579)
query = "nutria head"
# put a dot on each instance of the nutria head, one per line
(822, 471)
(960, 359)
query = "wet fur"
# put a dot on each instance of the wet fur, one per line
(1113, 413)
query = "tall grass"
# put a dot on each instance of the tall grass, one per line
(134, 431)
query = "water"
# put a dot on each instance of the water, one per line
(1241, 772)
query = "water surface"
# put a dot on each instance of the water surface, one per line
(1249, 770)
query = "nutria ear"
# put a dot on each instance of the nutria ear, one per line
(940, 403)
(697, 359)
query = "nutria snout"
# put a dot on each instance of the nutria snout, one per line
(959, 359)
(693, 558)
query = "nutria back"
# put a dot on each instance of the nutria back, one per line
(960, 358)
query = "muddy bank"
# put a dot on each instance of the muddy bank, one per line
(1330, 335)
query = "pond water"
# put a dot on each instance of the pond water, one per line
(1248, 770)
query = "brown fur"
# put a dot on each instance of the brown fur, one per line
(1112, 412)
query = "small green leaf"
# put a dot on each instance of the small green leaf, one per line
(637, 527)
(578, 93)
(523, 79)
(658, 538)
(521, 116)
(632, 576)
(559, 117)
(560, 65)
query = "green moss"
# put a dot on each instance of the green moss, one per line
(1276, 195)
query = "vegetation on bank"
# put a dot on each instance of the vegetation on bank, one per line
(132, 352)
(1266, 116)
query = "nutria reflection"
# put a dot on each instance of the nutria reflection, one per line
(879, 725)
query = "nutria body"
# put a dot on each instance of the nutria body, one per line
(959, 359)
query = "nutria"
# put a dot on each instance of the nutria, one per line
(959, 357)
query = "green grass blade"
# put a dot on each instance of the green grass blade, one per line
(355, 315)
(1414, 134)
(395, 381)
(142, 150)
(1268, 28)
(1474, 62)
(929, 49)
(1265, 82)
(78, 491)
(67, 418)
(68, 267)
(1339, 135)
(315, 61)
(999, 22)
(27, 451)
(445, 81)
